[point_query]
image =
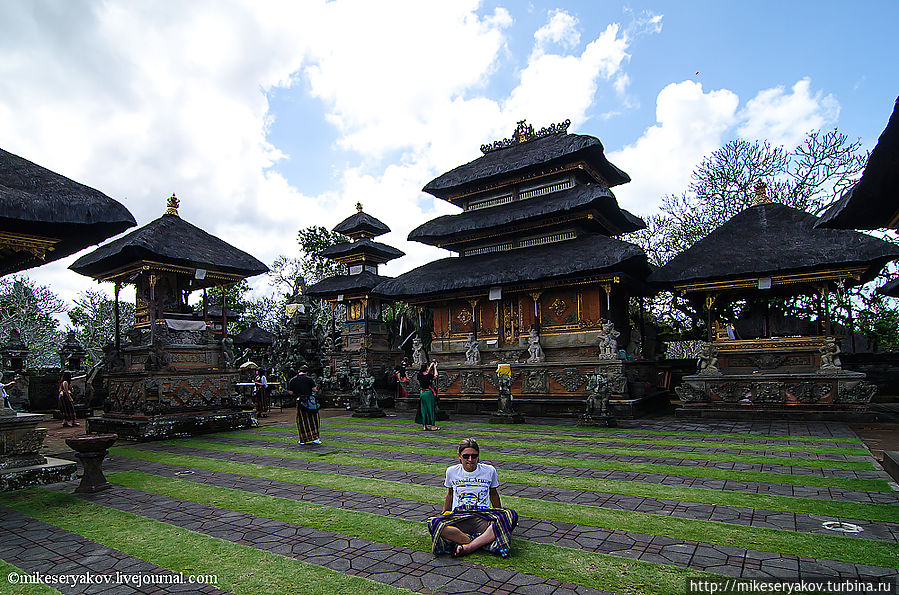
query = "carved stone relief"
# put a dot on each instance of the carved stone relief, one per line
(860, 392)
(534, 381)
(768, 392)
(444, 380)
(570, 378)
(472, 382)
(731, 392)
(690, 392)
(809, 392)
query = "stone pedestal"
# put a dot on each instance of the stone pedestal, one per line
(498, 417)
(21, 464)
(90, 452)
(369, 412)
(597, 421)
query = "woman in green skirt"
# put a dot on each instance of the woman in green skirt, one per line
(427, 403)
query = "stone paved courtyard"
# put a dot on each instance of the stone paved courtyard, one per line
(635, 509)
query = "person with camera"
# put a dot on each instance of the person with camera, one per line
(427, 402)
(304, 388)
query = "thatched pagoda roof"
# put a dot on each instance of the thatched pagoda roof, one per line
(540, 153)
(254, 336)
(594, 199)
(381, 252)
(173, 241)
(891, 289)
(769, 239)
(585, 257)
(38, 203)
(873, 202)
(361, 225)
(331, 287)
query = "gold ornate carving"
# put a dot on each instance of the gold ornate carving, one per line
(172, 205)
(761, 193)
(464, 317)
(20, 242)
(558, 307)
(833, 274)
(358, 207)
(525, 132)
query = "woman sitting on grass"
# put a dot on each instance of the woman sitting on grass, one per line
(473, 516)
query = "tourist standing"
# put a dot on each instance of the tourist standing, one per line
(66, 404)
(427, 401)
(472, 508)
(3, 387)
(304, 388)
(260, 387)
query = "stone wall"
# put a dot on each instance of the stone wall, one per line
(882, 370)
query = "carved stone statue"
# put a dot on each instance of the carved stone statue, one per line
(365, 388)
(708, 360)
(418, 354)
(535, 351)
(608, 340)
(329, 344)
(472, 353)
(505, 414)
(830, 355)
(600, 393)
(228, 352)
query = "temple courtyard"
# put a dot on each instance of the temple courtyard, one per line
(641, 508)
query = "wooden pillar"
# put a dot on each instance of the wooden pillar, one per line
(829, 329)
(642, 329)
(152, 308)
(117, 286)
(205, 307)
(224, 314)
(709, 301)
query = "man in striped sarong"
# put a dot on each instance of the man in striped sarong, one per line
(473, 516)
(304, 388)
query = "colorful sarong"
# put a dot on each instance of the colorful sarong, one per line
(504, 521)
(307, 424)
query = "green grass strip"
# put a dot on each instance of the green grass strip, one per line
(238, 568)
(865, 485)
(836, 508)
(857, 451)
(629, 452)
(590, 430)
(16, 587)
(601, 571)
(847, 549)
(637, 447)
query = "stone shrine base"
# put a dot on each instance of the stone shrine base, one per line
(53, 471)
(21, 464)
(162, 427)
(506, 418)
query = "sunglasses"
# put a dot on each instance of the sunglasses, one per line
(474, 456)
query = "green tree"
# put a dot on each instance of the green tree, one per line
(32, 309)
(93, 320)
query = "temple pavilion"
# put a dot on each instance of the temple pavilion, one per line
(173, 377)
(767, 252)
(873, 202)
(45, 216)
(362, 336)
(540, 279)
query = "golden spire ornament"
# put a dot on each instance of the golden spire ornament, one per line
(172, 205)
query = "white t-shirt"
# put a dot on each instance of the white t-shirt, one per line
(471, 489)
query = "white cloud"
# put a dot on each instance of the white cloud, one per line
(561, 29)
(785, 118)
(690, 124)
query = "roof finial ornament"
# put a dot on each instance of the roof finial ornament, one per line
(358, 207)
(761, 193)
(172, 205)
(525, 132)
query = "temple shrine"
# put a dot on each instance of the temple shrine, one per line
(539, 281)
(762, 363)
(44, 216)
(360, 344)
(173, 377)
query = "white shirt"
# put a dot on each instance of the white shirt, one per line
(471, 489)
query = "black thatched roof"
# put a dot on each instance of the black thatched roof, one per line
(873, 202)
(363, 246)
(548, 150)
(333, 286)
(170, 240)
(254, 336)
(584, 197)
(36, 201)
(361, 223)
(586, 256)
(891, 289)
(772, 238)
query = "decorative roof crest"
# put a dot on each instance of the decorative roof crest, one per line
(172, 205)
(359, 207)
(525, 132)
(761, 194)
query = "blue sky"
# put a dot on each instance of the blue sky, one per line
(267, 117)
